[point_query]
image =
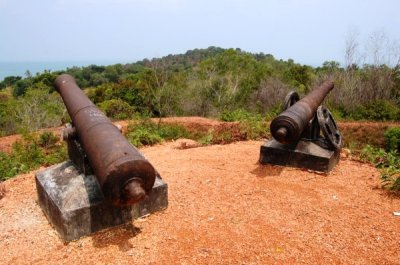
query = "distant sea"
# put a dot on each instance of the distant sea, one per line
(20, 68)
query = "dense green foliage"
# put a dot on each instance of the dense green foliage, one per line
(377, 110)
(31, 152)
(204, 82)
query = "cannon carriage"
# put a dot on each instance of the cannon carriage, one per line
(305, 134)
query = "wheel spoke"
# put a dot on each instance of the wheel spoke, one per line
(329, 128)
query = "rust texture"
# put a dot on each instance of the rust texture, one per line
(125, 176)
(290, 124)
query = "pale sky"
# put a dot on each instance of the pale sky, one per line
(308, 31)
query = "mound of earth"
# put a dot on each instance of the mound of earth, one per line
(224, 208)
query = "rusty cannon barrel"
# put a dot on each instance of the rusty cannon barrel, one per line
(290, 124)
(125, 176)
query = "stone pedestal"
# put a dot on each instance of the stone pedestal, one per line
(305, 154)
(75, 206)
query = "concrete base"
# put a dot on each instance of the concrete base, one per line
(304, 154)
(75, 206)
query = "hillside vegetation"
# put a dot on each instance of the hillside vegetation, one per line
(203, 82)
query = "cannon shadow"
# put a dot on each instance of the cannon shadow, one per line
(262, 171)
(118, 236)
(103, 214)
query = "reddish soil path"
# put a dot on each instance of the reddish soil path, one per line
(224, 208)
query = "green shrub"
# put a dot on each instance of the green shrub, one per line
(29, 153)
(173, 131)
(254, 129)
(387, 162)
(206, 139)
(143, 136)
(237, 115)
(252, 126)
(379, 110)
(146, 132)
(273, 112)
(117, 109)
(48, 139)
(392, 138)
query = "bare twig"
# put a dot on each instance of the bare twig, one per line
(2, 190)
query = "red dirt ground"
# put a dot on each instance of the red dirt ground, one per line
(224, 208)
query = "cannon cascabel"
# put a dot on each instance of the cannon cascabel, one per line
(288, 126)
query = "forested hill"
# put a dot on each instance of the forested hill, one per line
(93, 75)
(191, 58)
(201, 82)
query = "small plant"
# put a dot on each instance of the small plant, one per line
(207, 138)
(48, 139)
(387, 162)
(392, 137)
(391, 178)
(224, 136)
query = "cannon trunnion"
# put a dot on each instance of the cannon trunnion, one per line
(305, 134)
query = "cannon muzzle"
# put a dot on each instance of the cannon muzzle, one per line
(290, 124)
(124, 175)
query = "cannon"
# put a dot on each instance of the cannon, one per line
(297, 139)
(106, 181)
(123, 173)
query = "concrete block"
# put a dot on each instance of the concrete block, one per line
(75, 206)
(305, 154)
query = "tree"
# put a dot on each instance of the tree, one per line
(230, 78)
(38, 109)
(352, 55)
(9, 81)
(20, 87)
(299, 76)
(163, 87)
